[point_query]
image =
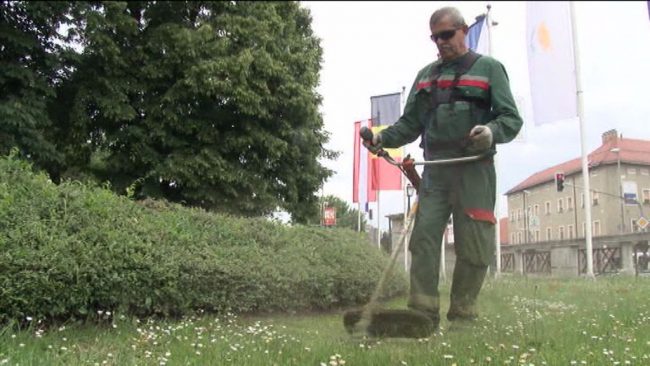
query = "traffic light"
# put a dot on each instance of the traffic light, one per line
(559, 181)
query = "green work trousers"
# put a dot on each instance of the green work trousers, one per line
(468, 192)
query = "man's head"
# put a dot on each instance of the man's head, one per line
(448, 30)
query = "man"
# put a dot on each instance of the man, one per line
(461, 105)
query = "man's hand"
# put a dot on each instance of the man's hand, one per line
(372, 145)
(481, 138)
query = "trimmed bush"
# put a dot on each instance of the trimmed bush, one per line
(69, 250)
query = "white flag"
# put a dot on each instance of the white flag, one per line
(550, 61)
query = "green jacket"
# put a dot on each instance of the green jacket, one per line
(484, 99)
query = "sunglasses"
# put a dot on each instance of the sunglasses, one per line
(444, 35)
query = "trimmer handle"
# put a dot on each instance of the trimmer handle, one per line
(366, 134)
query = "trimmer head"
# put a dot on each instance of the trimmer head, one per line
(390, 323)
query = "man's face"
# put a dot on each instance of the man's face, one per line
(449, 39)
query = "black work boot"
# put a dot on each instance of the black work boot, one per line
(456, 313)
(428, 305)
(465, 287)
(433, 315)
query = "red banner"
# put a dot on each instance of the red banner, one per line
(356, 162)
(329, 216)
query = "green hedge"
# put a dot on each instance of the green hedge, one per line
(69, 250)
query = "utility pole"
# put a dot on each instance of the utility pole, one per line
(585, 169)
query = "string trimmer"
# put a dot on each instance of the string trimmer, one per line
(371, 320)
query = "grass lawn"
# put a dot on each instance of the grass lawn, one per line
(525, 321)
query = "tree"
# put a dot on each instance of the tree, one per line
(211, 104)
(346, 217)
(32, 53)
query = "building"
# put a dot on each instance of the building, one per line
(537, 212)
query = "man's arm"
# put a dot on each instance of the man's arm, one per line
(507, 122)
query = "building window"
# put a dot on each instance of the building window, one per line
(646, 196)
(519, 237)
(594, 198)
(537, 236)
(560, 205)
(536, 210)
(635, 226)
(596, 228)
(549, 235)
(584, 229)
(512, 216)
(631, 171)
(569, 203)
(645, 171)
(518, 214)
(582, 200)
(569, 232)
(560, 233)
(512, 238)
(547, 208)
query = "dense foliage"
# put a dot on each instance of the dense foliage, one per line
(32, 64)
(69, 250)
(209, 104)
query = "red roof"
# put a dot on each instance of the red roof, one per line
(632, 152)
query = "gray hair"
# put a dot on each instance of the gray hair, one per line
(453, 13)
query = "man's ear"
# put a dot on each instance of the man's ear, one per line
(465, 29)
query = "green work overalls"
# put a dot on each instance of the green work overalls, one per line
(445, 102)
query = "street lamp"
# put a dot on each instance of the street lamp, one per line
(410, 190)
(620, 186)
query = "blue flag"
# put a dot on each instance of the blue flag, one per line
(474, 34)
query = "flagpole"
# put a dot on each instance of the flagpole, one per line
(378, 222)
(359, 216)
(488, 19)
(406, 181)
(585, 169)
(357, 173)
(497, 231)
(378, 175)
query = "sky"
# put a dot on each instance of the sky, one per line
(376, 48)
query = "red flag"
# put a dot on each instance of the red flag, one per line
(371, 192)
(356, 162)
(385, 177)
(385, 111)
(360, 181)
(381, 174)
